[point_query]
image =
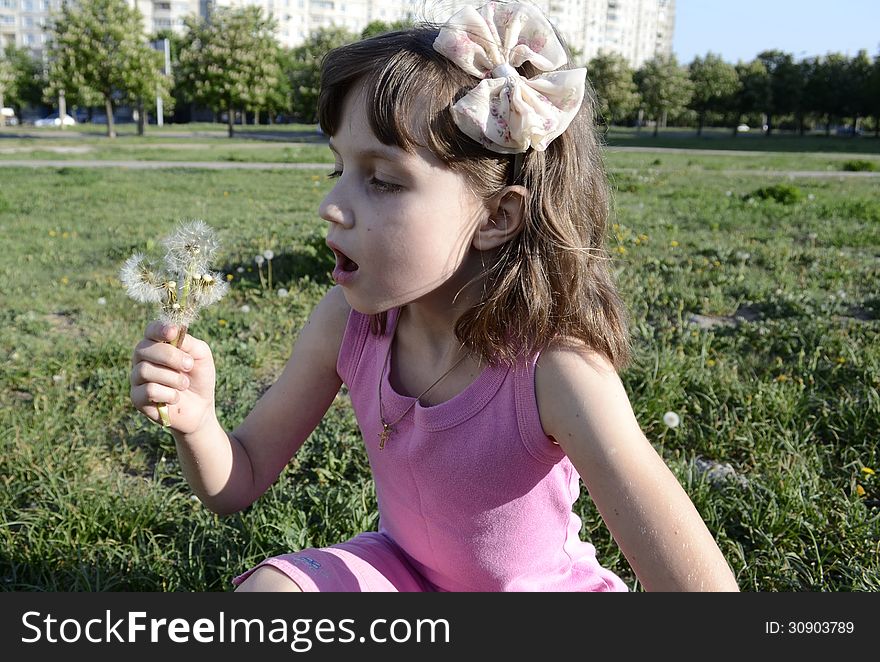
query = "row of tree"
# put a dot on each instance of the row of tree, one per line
(824, 90)
(232, 62)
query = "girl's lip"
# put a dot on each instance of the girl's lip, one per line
(343, 277)
(342, 259)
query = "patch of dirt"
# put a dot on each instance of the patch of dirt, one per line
(63, 321)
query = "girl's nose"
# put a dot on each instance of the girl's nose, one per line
(331, 210)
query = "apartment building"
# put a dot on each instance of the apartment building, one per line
(636, 29)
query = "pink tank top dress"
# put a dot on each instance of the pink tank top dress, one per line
(472, 495)
(471, 490)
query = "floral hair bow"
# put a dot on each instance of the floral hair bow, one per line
(506, 112)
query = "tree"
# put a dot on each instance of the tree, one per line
(715, 84)
(29, 78)
(98, 52)
(8, 80)
(375, 28)
(231, 60)
(874, 94)
(664, 87)
(612, 80)
(786, 85)
(303, 69)
(858, 83)
(754, 88)
(829, 87)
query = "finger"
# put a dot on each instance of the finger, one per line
(145, 372)
(162, 354)
(144, 395)
(160, 331)
(195, 348)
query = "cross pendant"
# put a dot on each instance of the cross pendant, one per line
(383, 436)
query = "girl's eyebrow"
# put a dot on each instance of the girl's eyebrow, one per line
(392, 154)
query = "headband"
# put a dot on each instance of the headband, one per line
(507, 112)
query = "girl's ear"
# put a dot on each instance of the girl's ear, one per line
(504, 220)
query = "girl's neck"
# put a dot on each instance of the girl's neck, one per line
(429, 322)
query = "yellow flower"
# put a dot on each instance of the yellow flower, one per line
(782, 378)
(868, 470)
(841, 360)
(229, 276)
(64, 280)
(710, 362)
(673, 243)
(65, 235)
(225, 194)
(52, 233)
(860, 490)
(621, 250)
(221, 322)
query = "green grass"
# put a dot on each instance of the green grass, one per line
(91, 493)
(716, 138)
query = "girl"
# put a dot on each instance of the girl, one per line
(476, 326)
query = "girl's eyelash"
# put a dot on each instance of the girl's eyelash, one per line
(378, 184)
(384, 187)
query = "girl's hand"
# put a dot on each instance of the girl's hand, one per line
(182, 378)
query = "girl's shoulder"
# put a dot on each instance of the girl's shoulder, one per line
(568, 374)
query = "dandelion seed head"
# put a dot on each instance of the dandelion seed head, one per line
(141, 282)
(190, 247)
(282, 293)
(245, 308)
(671, 419)
(268, 254)
(210, 289)
(259, 259)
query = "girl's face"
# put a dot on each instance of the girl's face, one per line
(401, 224)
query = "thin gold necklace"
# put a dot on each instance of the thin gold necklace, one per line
(388, 428)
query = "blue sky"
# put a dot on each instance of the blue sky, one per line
(740, 29)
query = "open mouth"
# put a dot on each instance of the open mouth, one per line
(344, 262)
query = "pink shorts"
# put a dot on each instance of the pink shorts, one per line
(369, 562)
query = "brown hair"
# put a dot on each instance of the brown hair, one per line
(553, 280)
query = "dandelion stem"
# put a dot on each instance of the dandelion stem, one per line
(161, 406)
(270, 273)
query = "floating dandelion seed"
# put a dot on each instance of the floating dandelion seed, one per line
(185, 285)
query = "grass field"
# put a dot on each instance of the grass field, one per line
(757, 322)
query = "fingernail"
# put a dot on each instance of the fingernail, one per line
(187, 363)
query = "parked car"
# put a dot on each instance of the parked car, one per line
(55, 120)
(7, 117)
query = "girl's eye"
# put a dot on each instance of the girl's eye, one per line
(384, 187)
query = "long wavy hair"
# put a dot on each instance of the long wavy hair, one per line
(553, 280)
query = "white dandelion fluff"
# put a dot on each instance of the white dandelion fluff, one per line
(671, 419)
(282, 292)
(259, 259)
(268, 254)
(191, 247)
(141, 281)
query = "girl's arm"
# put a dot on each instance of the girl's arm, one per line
(229, 471)
(584, 407)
